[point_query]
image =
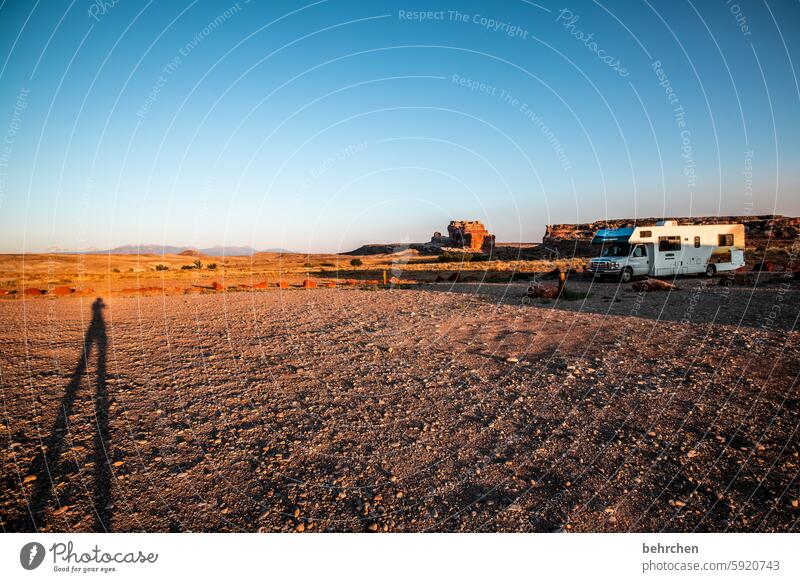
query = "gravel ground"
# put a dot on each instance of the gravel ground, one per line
(448, 408)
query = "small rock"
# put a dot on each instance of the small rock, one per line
(300, 528)
(654, 285)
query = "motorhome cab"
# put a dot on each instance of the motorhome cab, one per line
(668, 249)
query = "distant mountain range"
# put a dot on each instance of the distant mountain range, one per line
(215, 251)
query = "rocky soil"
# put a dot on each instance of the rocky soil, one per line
(446, 408)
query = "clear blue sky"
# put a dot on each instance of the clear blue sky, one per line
(321, 126)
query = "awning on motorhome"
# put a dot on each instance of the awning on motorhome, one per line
(605, 235)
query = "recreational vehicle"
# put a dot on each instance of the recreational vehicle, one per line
(668, 249)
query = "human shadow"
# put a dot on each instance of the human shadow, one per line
(46, 464)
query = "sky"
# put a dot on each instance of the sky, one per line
(320, 126)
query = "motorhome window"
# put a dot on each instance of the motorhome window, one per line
(669, 243)
(617, 250)
(697, 242)
(639, 251)
(726, 240)
(645, 233)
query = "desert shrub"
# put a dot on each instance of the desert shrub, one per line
(198, 264)
(162, 267)
(211, 266)
(308, 265)
(115, 270)
(327, 265)
(356, 262)
(187, 267)
(460, 257)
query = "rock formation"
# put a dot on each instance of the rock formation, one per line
(575, 239)
(764, 226)
(469, 235)
(463, 235)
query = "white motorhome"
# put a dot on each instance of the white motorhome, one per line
(668, 249)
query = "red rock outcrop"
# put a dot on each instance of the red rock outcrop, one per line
(763, 226)
(469, 235)
(575, 239)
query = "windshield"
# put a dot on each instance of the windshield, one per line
(616, 250)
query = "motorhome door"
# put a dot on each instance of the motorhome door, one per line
(639, 260)
(669, 260)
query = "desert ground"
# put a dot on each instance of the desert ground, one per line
(147, 400)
